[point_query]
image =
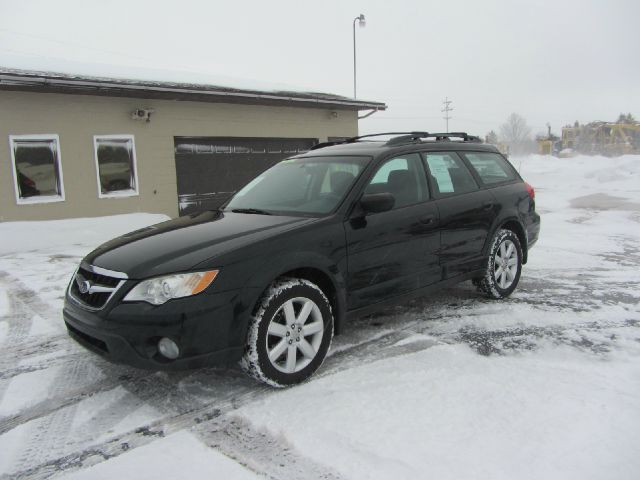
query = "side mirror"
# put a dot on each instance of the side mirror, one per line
(377, 202)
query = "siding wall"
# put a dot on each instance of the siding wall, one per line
(77, 118)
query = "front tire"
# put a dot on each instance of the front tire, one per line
(504, 266)
(289, 334)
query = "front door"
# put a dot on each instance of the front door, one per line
(394, 252)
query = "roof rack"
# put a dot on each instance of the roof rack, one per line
(406, 134)
(444, 137)
(355, 139)
(406, 137)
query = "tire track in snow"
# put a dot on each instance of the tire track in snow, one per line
(232, 392)
(63, 398)
(41, 364)
(24, 306)
(212, 420)
(260, 451)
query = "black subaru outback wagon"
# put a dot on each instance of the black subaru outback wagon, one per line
(341, 230)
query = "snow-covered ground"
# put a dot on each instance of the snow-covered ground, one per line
(543, 385)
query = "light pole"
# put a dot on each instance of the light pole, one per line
(362, 23)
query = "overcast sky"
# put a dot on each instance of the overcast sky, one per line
(550, 61)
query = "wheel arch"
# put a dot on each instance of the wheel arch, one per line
(317, 270)
(516, 227)
(326, 284)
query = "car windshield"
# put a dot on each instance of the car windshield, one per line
(305, 186)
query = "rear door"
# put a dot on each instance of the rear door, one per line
(394, 252)
(467, 212)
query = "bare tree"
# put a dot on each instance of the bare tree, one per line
(492, 138)
(516, 134)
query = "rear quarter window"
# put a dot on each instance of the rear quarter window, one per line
(491, 167)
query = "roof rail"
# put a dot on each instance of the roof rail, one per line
(408, 134)
(411, 137)
(406, 137)
(355, 139)
(439, 137)
(326, 144)
(447, 136)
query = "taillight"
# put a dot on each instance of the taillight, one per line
(530, 191)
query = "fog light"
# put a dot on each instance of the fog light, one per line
(168, 348)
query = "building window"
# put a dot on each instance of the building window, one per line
(37, 170)
(116, 165)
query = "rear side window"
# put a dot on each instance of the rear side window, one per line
(449, 175)
(491, 167)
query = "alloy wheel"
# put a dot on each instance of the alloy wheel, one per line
(294, 335)
(506, 264)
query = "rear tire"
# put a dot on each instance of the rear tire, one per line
(289, 334)
(503, 267)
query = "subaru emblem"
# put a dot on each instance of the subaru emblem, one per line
(84, 287)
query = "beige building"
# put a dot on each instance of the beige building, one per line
(75, 146)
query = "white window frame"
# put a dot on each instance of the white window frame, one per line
(123, 193)
(37, 198)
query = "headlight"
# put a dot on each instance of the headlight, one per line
(162, 289)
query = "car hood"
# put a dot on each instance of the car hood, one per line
(180, 244)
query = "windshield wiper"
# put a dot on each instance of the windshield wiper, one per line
(257, 211)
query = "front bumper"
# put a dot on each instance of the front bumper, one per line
(208, 329)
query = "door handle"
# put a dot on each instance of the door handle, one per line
(428, 219)
(487, 206)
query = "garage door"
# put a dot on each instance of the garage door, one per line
(210, 169)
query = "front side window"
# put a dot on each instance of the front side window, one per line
(449, 175)
(37, 168)
(403, 177)
(305, 186)
(491, 167)
(116, 165)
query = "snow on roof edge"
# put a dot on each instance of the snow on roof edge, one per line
(193, 87)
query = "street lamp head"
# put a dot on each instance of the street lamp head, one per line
(361, 21)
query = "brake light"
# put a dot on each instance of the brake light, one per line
(530, 190)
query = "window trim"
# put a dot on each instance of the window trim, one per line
(376, 167)
(431, 179)
(476, 174)
(37, 199)
(124, 193)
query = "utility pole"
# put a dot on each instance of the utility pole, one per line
(447, 108)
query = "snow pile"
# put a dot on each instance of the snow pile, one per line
(563, 179)
(448, 413)
(62, 234)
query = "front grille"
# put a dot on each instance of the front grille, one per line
(92, 299)
(99, 279)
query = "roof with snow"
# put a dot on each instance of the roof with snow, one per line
(53, 82)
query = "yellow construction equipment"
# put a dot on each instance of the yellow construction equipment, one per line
(603, 138)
